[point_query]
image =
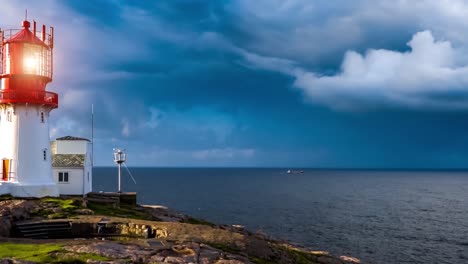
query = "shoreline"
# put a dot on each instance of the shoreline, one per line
(149, 234)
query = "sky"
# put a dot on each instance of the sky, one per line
(265, 83)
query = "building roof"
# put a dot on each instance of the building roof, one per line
(68, 160)
(72, 138)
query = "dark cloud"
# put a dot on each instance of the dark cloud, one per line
(223, 83)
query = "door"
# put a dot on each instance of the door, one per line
(5, 169)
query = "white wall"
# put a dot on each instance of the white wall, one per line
(71, 146)
(23, 138)
(75, 181)
(88, 171)
(76, 175)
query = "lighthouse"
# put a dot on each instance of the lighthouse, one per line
(25, 70)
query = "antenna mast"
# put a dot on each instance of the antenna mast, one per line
(92, 137)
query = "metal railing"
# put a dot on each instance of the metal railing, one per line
(11, 177)
(29, 97)
(49, 38)
(6, 175)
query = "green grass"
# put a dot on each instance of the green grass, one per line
(6, 197)
(68, 207)
(44, 253)
(299, 256)
(101, 209)
(194, 221)
(65, 204)
(29, 252)
(261, 261)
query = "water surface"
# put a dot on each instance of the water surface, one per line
(377, 216)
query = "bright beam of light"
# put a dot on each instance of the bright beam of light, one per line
(30, 65)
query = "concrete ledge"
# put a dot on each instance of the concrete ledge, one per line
(116, 198)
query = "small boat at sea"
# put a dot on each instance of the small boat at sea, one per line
(295, 171)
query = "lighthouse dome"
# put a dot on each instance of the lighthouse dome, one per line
(25, 36)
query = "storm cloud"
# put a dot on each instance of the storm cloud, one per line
(260, 83)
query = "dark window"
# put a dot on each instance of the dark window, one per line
(63, 176)
(44, 154)
(9, 115)
(42, 117)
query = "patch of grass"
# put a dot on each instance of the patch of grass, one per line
(6, 197)
(36, 253)
(299, 256)
(45, 253)
(102, 209)
(261, 261)
(58, 215)
(226, 248)
(65, 204)
(194, 221)
(67, 208)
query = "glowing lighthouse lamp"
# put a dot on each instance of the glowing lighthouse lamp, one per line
(25, 70)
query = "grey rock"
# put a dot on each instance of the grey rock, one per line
(156, 259)
(171, 259)
(84, 211)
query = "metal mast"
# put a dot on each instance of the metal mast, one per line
(120, 157)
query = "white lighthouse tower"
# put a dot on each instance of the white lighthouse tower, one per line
(25, 70)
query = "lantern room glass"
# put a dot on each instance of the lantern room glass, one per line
(34, 59)
(26, 58)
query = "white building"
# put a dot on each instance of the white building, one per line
(72, 165)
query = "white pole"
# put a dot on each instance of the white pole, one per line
(92, 137)
(120, 166)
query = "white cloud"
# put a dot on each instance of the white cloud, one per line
(155, 117)
(314, 32)
(125, 127)
(426, 76)
(66, 126)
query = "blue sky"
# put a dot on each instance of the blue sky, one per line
(291, 83)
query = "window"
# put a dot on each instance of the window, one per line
(42, 117)
(44, 154)
(63, 177)
(9, 116)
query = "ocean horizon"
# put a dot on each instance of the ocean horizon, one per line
(379, 216)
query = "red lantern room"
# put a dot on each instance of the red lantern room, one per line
(26, 66)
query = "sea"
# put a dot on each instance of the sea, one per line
(377, 216)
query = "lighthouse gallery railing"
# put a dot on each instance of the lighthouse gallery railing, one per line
(29, 96)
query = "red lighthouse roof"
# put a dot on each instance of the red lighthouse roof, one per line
(26, 36)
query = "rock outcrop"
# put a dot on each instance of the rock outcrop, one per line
(153, 234)
(11, 211)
